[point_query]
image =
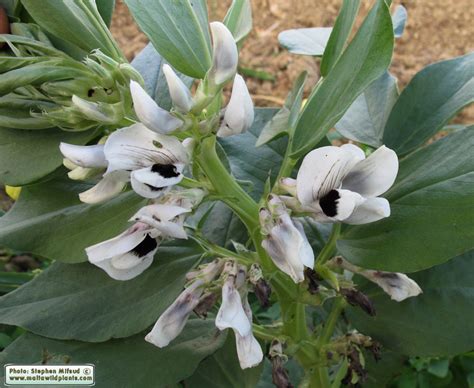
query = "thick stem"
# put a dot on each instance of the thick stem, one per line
(330, 247)
(226, 186)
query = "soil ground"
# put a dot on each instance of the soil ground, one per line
(436, 30)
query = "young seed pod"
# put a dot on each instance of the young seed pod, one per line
(356, 298)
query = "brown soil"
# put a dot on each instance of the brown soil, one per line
(436, 30)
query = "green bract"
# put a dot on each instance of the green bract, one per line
(163, 216)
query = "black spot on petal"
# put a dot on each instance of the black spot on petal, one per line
(165, 170)
(328, 203)
(145, 247)
(154, 188)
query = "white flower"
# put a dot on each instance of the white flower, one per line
(127, 255)
(150, 114)
(239, 113)
(340, 184)
(285, 241)
(179, 92)
(225, 55)
(163, 217)
(152, 162)
(234, 315)
(171, 323)
(398, 285)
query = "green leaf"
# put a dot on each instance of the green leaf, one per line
(106, 9)
(399, 19)
(74, 21)
(239, 19)
(365, 119)
(58, 225)
(432, 211)
(365, 59)
(129, 362)
(305, 41)
(429, 101)
(340, 34)
(381, 372)
(285, 119)
(179, 31)
(222, 369)
(434, 323)
(60, 301)
(150, 65)
(26, 156)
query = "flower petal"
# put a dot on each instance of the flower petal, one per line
(126, 273)
(136, 147)
(371, 210)
(159, 175)
(375, 175)
(84, 156)
(288, 249)
(231, 313)
(239, 113)
(147, 191)
(160, 212)
(118, 245)
(249, 350)
(150, 114)
(398, 285)
(179, 92)
(323, 170)
(108, 187)
(306, 252)
(225, 54)
(171, 323)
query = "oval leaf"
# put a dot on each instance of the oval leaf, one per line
(58, 225)
(179, 31)
(429, 101)
(26, 156)
(364, 60)
(131, 360)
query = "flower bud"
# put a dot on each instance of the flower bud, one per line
(179, 92)
(150, 114)
(288, 185)
(99, 112)
(313, 280)
(239, 113)
(225, 54)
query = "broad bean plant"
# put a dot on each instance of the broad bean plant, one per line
(196, 240)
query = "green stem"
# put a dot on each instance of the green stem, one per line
(230, 192)
(225, 184)
(330, 247)
(217, 250)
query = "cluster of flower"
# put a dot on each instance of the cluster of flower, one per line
(334, 184)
